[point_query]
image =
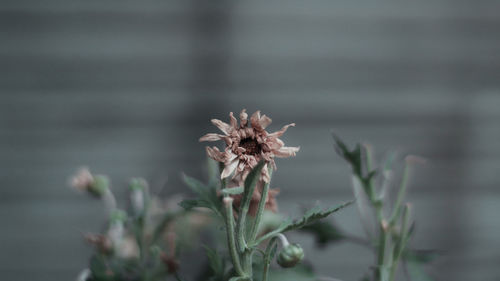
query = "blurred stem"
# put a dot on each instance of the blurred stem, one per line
(260, 210)
(401, 194)
(401, 244)
(268, 258)
(228, 204)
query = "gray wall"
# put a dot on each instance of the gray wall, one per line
(127, 87)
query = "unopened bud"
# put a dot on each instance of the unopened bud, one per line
(138, 187)
(99, 186)
(290, 255)
(82, 180)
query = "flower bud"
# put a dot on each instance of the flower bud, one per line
(138, 188)
(290, 255)
(99, 186)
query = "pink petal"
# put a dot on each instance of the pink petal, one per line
(254, 119)
(211, 137)
(243, 118)
(265, 121)
(229, 169)
(234, 122)
(224, 127)
(286, 151)
(215, 154)
(279, 133)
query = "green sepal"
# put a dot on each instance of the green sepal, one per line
(232, 190)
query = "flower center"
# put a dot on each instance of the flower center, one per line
(250, 145)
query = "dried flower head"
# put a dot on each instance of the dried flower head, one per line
(101, 242)
(247, 144)
(82, 180)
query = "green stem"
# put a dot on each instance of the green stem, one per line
(400, 246)
(401, 194)
(267, 258)
(260, 211)
(228, 204)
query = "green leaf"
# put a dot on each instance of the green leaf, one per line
(196, 186)
(233, 190)
(309, 217)
(324, 232)
(240, 279)
(416, 270)
(213, 171)
(207, 196)
(355, 159)
(422, 256)
(216, 263)
(313, 215)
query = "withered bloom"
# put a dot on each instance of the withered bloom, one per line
(247, 144)
(82, 180)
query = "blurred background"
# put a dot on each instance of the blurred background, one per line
(128, 87)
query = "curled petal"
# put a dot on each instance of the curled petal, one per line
(214, 153)
(224, 127)
(265, 121)
(286, 151)
(254, 119)
(243, 118)
(234, 122)
(229, 168)
(211, 137)
(279, 133)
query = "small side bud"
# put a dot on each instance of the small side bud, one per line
(82, 180)
(290, 255)
(138, 188)
(99, 186)
(228, 200)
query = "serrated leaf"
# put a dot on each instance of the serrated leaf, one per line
(216, 262)
(416, 270)
(313, 215)
(233, 190)
(324, 232)
(196, 186)
(207, 196)
(422, 256)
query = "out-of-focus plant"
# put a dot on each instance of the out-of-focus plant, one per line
(141, 242)
(386, 219)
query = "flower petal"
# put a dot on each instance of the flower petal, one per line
(264, 121)
(286, 151)
(224, 127)
(229, 169)
(234, 122)
(243, 118)
(211, 137)
(254, 119)
(279, 133)
(215, 154)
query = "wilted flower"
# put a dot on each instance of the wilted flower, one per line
(247, 145)
(101, 242)
(82, 180)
